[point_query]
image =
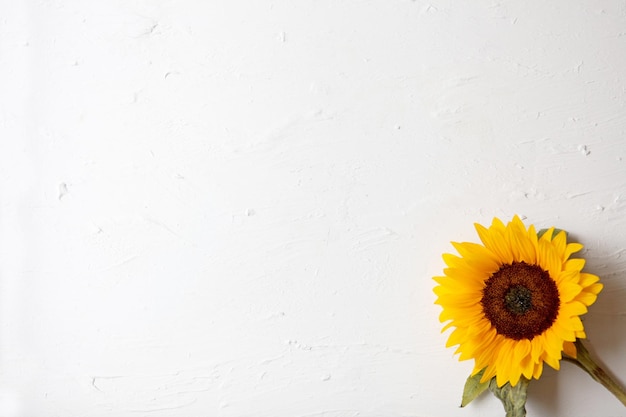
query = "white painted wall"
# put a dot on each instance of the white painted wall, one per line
(235, 208)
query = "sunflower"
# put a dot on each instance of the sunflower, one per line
(515, 301)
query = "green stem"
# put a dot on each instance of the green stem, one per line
(583, 360)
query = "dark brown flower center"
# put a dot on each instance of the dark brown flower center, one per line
(520, 300)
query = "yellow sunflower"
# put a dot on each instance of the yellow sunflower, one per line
(515, 300)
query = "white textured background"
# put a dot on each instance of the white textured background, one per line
(235, 208)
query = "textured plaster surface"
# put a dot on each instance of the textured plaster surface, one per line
(235, 208)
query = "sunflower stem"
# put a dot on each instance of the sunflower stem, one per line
(584, 360)
(513, 397)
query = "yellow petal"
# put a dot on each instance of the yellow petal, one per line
(570, 349)
(586, 298)
(553, 362)
(570, 249)
(568, 291)
(538, 370)
(575, 264)
(559, 243)
(588, 279)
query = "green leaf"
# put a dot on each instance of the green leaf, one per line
(513, 398)
(556, 232)
(473, 388)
